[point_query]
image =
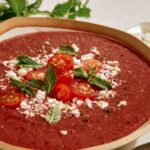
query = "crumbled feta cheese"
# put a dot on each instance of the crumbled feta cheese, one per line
(95, 50)
(88, 103)
(75, 112)
(76, 48)
(77, 62)
(11, 74)
(64, 132)
(55, 50)
(24, 105)
(10, 63)
(102, 104)
(22, 72)
(87, 56)
(40, 95)
(122, 103)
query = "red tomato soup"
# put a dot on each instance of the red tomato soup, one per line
(70, 90)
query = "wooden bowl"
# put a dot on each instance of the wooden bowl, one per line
(125, 143)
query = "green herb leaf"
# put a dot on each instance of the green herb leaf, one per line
(25, 61)
(22, 86)
(67, 49)
(50, 79)
(61, 9)
(18, 6)
(101, 83)
(91, 72)
(53, 115)
(80, 73)
(37, 83)
(34, 6)
(84, 12)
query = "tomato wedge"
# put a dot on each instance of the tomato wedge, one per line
(61, 62)
(37, 74)
(91, 63)
(65, 78)
(82, 90)
(11, 98)
(62, 92)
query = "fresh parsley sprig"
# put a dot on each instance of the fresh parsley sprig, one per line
(25, 61)
(92, 79)
(69, 9)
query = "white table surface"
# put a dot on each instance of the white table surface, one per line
(121, 14)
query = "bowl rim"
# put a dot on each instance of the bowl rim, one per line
(135, 45)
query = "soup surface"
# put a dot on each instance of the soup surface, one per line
(92, 90)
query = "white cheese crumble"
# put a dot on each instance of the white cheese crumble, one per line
(10, 63)
(102, 104)
(11, 74)
(22, 72)
(64, 132)
(75, 47)
(95, 50)
(77, 62)
(24, 105)
(87, 56)
(88, 103)
(40, 95)
(122, 103)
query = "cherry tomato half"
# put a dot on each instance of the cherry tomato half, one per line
(65, 78)
(37, 74)
(91, 63)
(62, 92)
(82, 90)
(11, 98)
(61, 62)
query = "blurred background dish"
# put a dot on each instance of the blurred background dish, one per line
(141, 31)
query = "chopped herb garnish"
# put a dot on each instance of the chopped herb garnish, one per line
(22, 86)
(50, 79)
(101, 83)
(69, 9)
(37, 83)
(80, 73)
(92, 79)
(25, 61)
(53, 115)
(91, 72)
(67, 49)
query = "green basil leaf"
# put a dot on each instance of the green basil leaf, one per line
(61, 9)
(84, 12)
(22, 86)
(80, 73)
(36, 83)
(50, 79)
(72, 13)
(101, 83)
(91, 72)
(25, 61)
(67, 49)
(53, 115)
(18, 6)
(34, 6)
